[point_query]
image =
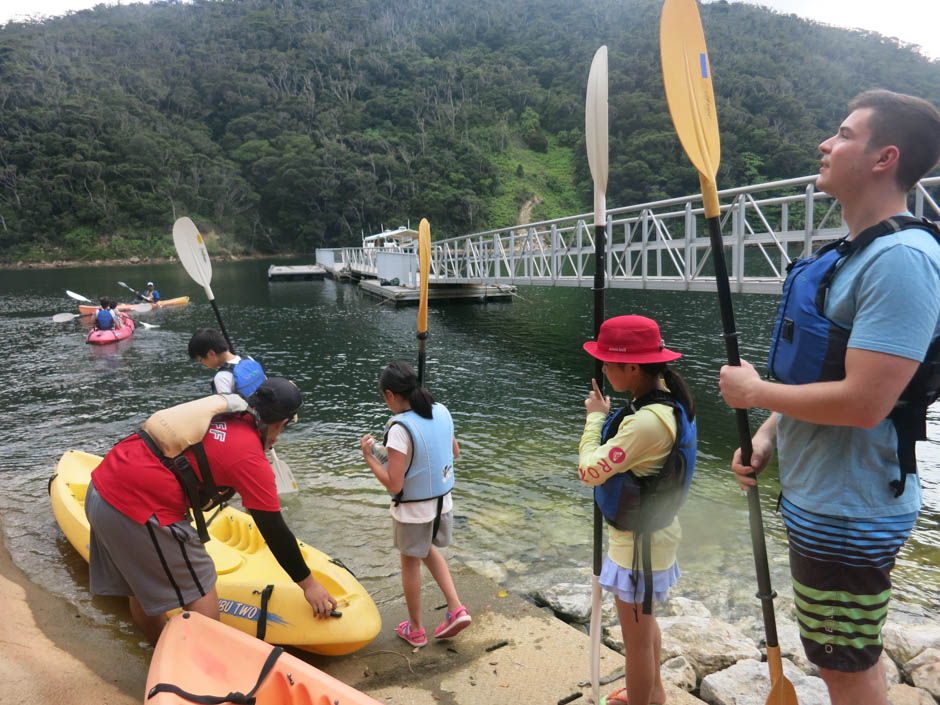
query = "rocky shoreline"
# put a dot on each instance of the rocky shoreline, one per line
(132, 261)
(724, 663)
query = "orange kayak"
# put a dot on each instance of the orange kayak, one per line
(201, 656)
(85, 309)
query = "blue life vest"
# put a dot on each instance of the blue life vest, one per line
(807, 347)
(103, 319)
(248, 375)
(431, 472)
(156, 295)
(649, 503)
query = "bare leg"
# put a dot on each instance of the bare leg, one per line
(207, 605)
(437, 565)
(411, 582)
(867, 687)
(642, 643)
(151, 626)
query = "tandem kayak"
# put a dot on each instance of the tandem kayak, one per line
(86, 309)
(246, 569)
(97, 336)
(203, 657)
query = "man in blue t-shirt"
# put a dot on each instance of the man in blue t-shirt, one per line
(846, 513)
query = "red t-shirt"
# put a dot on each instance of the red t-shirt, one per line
(133, 481)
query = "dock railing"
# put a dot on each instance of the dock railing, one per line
(656, 245)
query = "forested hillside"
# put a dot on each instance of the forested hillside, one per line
(284, 125)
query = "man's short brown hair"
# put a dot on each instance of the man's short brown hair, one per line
(911, 124)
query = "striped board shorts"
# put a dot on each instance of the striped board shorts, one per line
(841, 571)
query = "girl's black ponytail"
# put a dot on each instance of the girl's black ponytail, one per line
(674, 383)
(401, 379)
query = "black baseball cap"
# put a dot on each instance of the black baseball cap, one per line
(276, 399)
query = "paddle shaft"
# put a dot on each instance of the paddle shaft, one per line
(218, 317)
(600, 236)
(765, 592)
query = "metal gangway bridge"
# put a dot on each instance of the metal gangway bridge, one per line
(660, 245)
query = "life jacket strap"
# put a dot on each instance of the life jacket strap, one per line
(235, 698)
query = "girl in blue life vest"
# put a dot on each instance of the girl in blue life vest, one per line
(419, 474)
(639, 461)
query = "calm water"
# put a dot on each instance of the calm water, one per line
(513, 375)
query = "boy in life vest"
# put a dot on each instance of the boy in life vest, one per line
(142, 544)
(846, 411)
(105, 317)
(640, 461)
(236, 374)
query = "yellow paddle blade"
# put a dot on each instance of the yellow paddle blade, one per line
(689, 92)
(595, 131)
(781, 689)
(424, 267)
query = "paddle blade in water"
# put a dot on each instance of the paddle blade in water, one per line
(142, 308)
(191, 249)
(595, 131)
(62, 317)
(688, 82)
(424, 267)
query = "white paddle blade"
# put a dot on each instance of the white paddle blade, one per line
(282, 474)
(191, 249)
(62, 317)
(595, 131)
(148, 326)
(77, 297)
(142, 308)
(595, 635)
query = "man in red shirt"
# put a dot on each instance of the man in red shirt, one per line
(142, 543)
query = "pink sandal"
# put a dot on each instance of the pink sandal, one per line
(416, 638)
(455, 623)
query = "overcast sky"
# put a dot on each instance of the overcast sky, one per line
(912, 21)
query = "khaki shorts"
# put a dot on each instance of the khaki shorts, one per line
(415, 539)
(164, 567)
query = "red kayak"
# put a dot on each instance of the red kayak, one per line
(105, 337)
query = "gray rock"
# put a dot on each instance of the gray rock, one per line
(680, 673)
(708, 644)
(906, 695)
(892, 674)
(922, 659)
(926, 674)
(683, 606)
(570, 601)
(904, 642)
(748, 683)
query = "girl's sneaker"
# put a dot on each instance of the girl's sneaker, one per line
(454, 624)
(416, 638)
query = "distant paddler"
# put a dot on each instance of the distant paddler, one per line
(142, 543)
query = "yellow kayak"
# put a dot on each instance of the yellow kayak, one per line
(246, 567)
(86, 309)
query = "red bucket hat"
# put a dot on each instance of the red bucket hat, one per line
(633, 339)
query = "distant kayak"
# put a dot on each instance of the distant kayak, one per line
(255, 594)
(86, 309)
(203, 657)
(106, 337)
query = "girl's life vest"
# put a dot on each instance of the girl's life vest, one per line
(169, 432)
(646, 504)
(807, 347)
(248, 375)
(103, 319)
(430, 475)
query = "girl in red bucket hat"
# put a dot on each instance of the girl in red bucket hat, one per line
(640, 460)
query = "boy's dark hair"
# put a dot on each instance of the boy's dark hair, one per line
(204, 340)
(909, 123)
(401, 378)
(104, 301)
(112, 303)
